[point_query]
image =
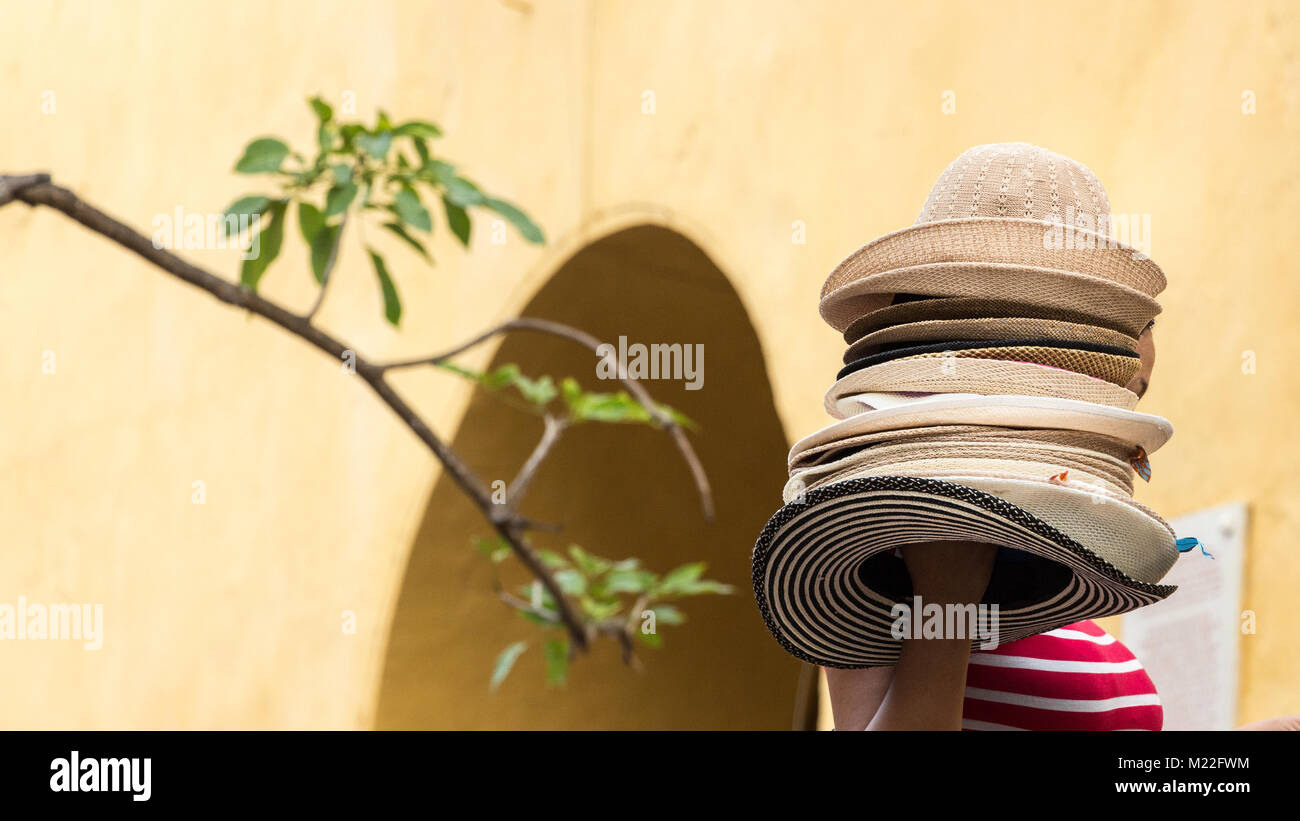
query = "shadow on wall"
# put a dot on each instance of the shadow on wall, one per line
(619, 491)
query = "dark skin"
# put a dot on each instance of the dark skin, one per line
(926, 689)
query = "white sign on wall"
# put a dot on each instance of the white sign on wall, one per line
(1190, 642)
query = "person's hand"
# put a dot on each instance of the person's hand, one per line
(950, 572)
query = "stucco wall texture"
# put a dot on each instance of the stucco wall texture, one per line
(765, 114)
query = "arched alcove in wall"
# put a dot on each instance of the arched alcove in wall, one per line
(620, 491)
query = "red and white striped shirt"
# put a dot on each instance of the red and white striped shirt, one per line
(1077, 677)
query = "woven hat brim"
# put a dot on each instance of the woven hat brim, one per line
(1091, 473)
(1116, 305)
(938, 308)
(1112, 364)
(1112, 524)
(1023, 458)
(806, 561)
(1146, 430)
(989, 328)
(942, 434)
(1008, 240)
(979, 376)
(1118, 370)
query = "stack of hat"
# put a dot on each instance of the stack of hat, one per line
(983, 398)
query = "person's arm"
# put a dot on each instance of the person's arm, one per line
(926, 690)
(856, 695)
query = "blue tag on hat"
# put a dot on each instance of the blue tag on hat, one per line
(1190, 543)
(1141, 464)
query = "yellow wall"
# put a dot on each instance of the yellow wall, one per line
(228, 614)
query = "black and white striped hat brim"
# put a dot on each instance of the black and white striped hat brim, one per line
(813, 566)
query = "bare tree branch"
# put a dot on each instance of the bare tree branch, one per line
(550, 435)
(37, 190)
(525, 607)
(588, 341)
(10, 186)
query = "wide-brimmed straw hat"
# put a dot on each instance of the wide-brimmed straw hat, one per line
(922, 375)
(840, 448)
(1143, 430)
(826, 576)
(1006, 221)
(1087, 458)
(944, 330)
(909, 308)
(1114, 365)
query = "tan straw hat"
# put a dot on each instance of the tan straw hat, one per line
(982, 376)
(958, 307)
(1146, 430)
(826, 576)
(1004, 221)
(840, 449)
(940, 330)
(1111, 364)
(1119, 305)
(1026, 458)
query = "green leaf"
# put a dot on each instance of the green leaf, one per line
(538, 391)
(552, 559)
(324, 112)
(320, 236)
(457, 220)
(517, 218)
(505, 663)
(614, 407)
(376, 145)
(422, 148)
(342, 173)
(539, 620)
(536, 594)
(252, 206)
(338, 199)
(392, 304)
(686, 581)
(418, 128)
(462, 192)
(262, 156)
(350, 132)
(571, 581)
(650, 639)
(628, 581)
(556, 653)
(571, 389)
(606, 407)
(685, 573)
(495, 549)
(599, 610)
(407, 206)
(397, 229)
(587, 563)
(667, 614)
(324, 139)
(270, 238)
